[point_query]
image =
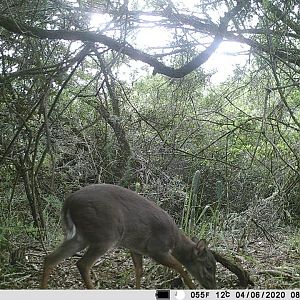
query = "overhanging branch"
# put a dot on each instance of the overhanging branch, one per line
(85, 36)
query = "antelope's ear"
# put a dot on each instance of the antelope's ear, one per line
(195, 239)
(200, 247)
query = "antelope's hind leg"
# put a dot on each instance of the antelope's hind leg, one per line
(65, 250)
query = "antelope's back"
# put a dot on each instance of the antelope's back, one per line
(104, 212)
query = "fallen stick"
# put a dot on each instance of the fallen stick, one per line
(242, 275)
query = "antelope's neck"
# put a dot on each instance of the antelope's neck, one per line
(183, 249)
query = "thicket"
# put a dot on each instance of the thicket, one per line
(218, 158)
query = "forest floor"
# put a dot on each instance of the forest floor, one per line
(272, 265)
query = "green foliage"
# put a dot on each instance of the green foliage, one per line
(67, 110)
(188, 221)
(294, 243)
(15, 230)
(196, 219)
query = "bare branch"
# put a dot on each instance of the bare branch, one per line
(121, 47)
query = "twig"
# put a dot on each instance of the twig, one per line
(278, 273)
(238, 270)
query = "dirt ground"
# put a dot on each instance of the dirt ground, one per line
(271, 264)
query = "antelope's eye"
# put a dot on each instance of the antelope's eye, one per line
(209, 268)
